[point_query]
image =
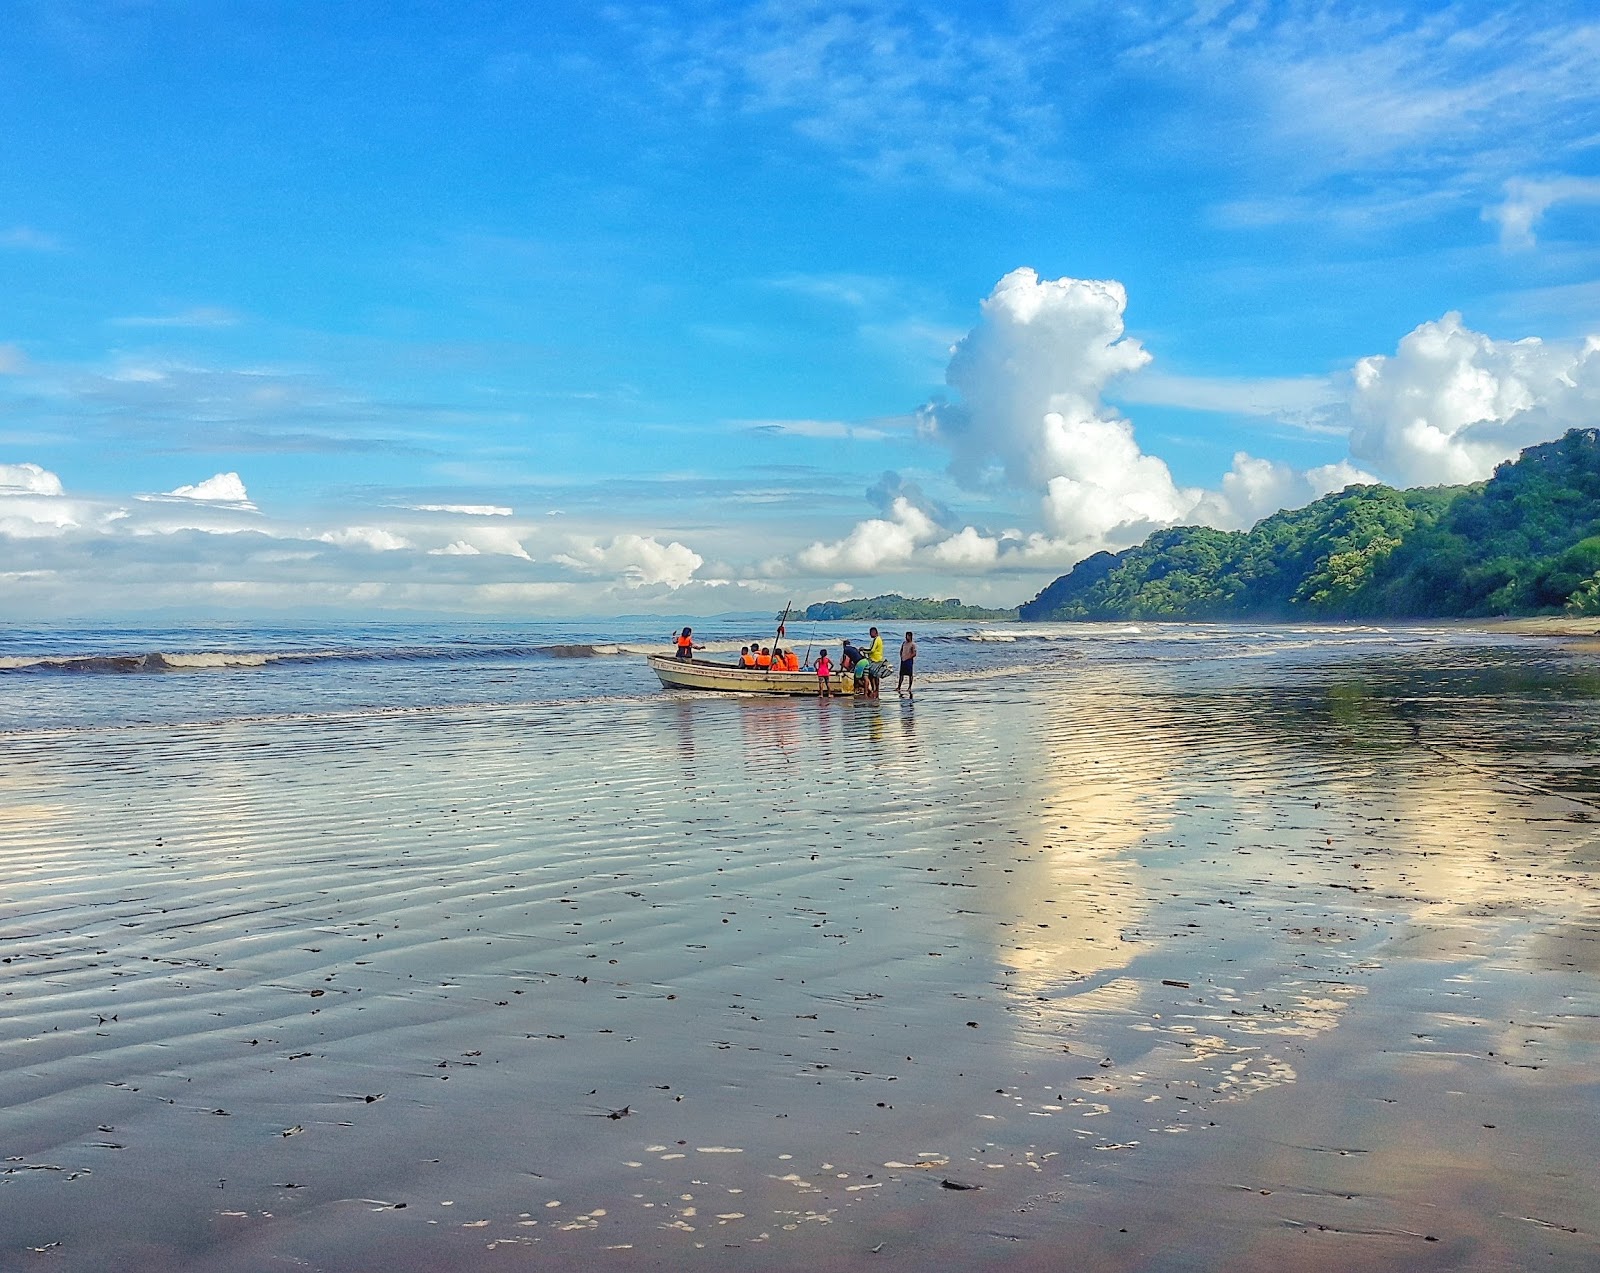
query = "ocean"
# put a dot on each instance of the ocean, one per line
(66, 677)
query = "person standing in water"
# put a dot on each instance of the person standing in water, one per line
(908, 658)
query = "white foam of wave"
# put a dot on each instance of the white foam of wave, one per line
(216, 660)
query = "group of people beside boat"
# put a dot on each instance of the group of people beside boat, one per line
(867, 666)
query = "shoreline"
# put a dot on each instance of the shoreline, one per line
(1585, 627)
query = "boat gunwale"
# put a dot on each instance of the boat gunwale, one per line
(746, 680)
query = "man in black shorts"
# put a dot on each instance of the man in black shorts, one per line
(908, 658)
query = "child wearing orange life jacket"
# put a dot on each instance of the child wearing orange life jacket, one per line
(764, 659)
(746, 658)
(791, 661)
(685, 643)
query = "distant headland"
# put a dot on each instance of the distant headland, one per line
(893, 606)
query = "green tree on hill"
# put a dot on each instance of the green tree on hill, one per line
(1526, 541)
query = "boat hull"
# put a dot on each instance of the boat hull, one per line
(702, 674)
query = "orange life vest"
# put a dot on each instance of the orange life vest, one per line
(763, 659)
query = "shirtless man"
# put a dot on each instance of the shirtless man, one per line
(908, 657)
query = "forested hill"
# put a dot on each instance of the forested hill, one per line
(898, 608)
(1527, 541)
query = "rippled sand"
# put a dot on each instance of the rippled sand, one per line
(1095, 971)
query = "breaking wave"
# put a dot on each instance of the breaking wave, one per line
(232, 660)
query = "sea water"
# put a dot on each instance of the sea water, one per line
(74, 677)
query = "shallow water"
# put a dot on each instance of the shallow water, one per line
(1190, 948)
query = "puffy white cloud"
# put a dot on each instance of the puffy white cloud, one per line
(1041, 348)
(500, 540)
(639, 560)
(374, 537)
(875, 544)
(967, 549)
(28, 479)
(1255, 488)
(1030, 414)
(1451, 403)
(1107, 487)
(224, 488)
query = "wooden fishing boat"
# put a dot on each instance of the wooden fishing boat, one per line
(729, 678)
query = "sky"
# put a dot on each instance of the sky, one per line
(489, 309)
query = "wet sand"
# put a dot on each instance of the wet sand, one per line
(1124, 975)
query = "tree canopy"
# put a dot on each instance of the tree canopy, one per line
(1527, 541)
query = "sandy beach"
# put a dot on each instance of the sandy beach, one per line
(1092, 968)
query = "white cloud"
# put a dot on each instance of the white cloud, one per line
(459, 548)
(967, 549)
(224, 488)
(1526, 202)
(501, 541)
(1255, 488)
(28, 479)
(1451, 403)
(876, 544)
(374, 537)
(896, 91)
(468, 510)
(638, 559)
(1030, 376)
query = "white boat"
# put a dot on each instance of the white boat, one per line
(730, 678)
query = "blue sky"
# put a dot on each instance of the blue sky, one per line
(497, 309)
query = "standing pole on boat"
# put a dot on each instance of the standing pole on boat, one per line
(782, 619)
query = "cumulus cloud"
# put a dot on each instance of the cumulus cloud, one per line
(640, 560)
(374, 537)
(224, 488)
(503, 541)
(28, 479)
(1041, 347)
(1451, 403)
(1030, 415)
(1255, 488)
(875, 544)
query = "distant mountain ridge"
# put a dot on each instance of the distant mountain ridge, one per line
(898, 608)
(1527, 541)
